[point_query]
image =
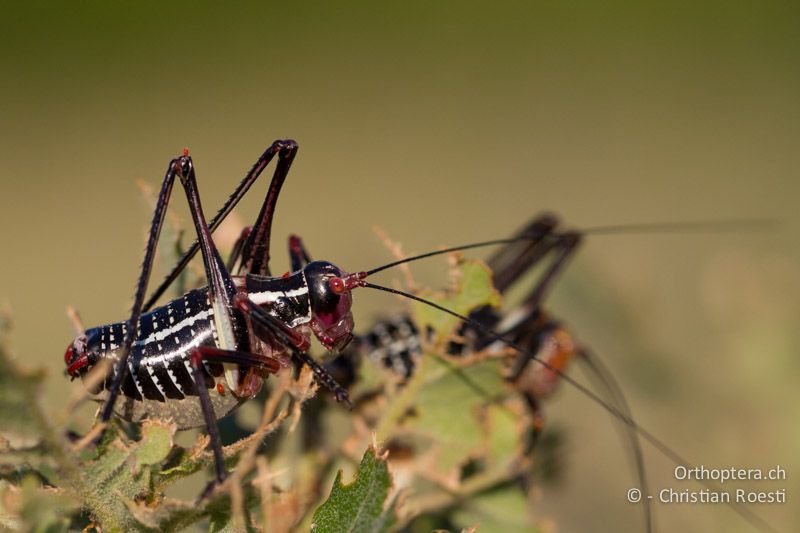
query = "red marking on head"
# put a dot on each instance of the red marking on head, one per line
(220, 389)
(68, 355)
(286, 274)
(186, 152)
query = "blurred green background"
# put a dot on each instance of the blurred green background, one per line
(445, 123)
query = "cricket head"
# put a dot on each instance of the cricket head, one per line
(329, 290)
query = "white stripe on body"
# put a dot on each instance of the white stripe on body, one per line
(173, 329)
(266, 297)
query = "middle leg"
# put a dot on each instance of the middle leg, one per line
(208, 353)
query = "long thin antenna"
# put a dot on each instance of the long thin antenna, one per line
(447, 251)
(605, 380)
(700, 226)
(752, 518)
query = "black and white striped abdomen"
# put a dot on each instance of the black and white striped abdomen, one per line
(158, 366)
(394, 344)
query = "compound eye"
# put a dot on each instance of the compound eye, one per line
(337, 285)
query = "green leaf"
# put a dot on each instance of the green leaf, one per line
(19, 393)
(155, 444)
(450, 408)
(500, 510)
(473, 289)
(505, 432)
(45, 511)
(123, 473)
(359, 506)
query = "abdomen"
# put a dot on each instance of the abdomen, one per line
(159, 383)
